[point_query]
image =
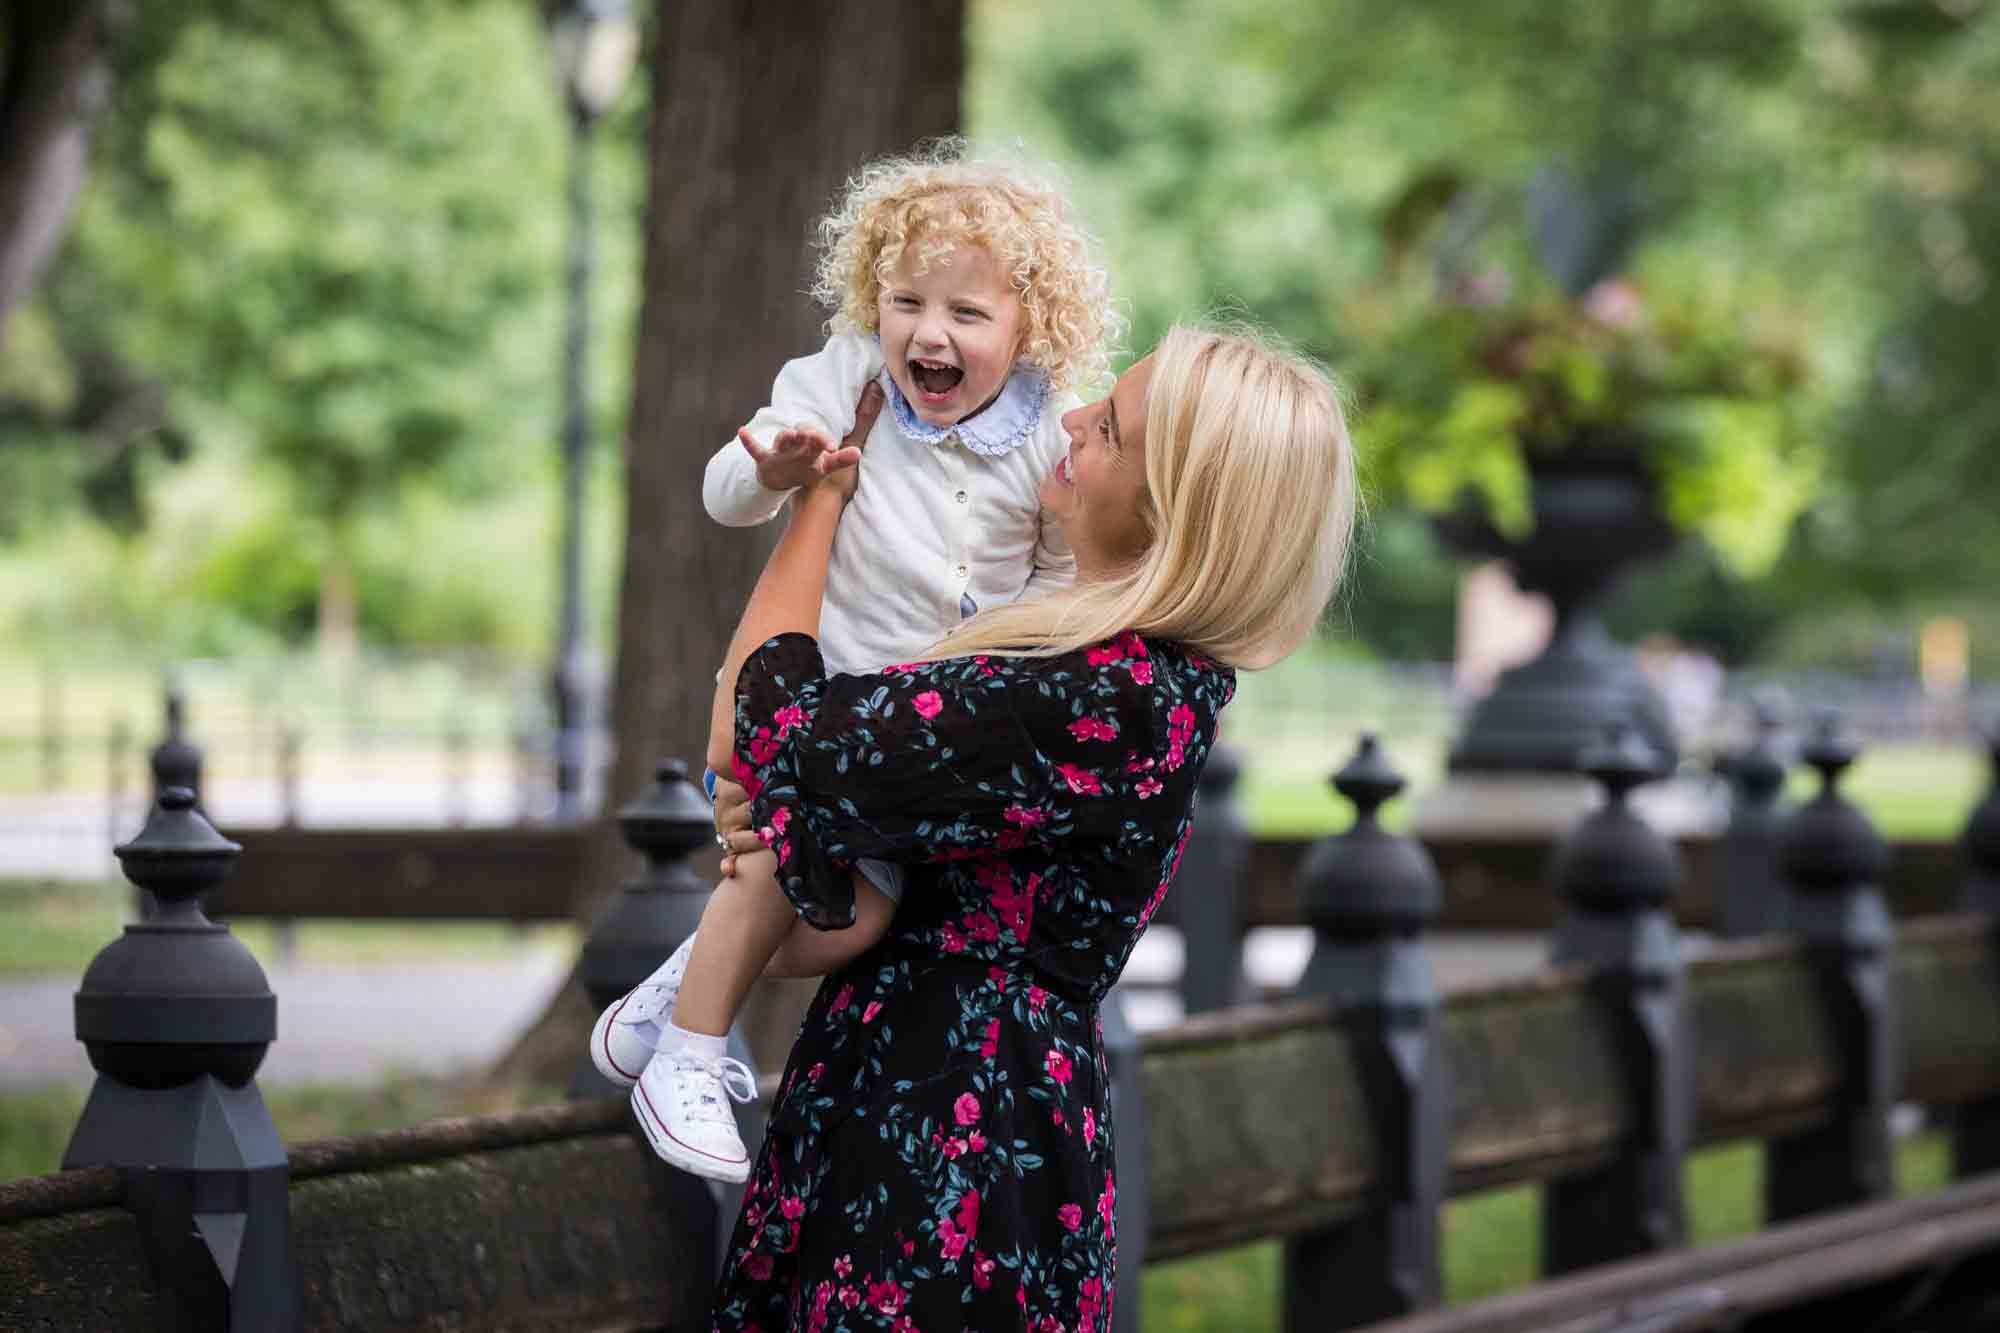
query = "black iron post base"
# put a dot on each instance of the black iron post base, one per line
(1631, 1207)
(1542, 715)
(1841, 1165)
(205, 1176)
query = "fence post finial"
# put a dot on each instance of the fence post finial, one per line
(1750, 894)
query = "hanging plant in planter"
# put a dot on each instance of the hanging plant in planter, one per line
(1563, 417)
(1494, 370)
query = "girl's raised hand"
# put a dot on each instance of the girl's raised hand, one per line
(794, 458)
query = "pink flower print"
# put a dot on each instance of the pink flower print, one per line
(1008, 839)
(758, 1266)
(1025, 817)
(951, 1241)
(885, 1296)
(793, 1207)
(1080, 780)
(1091, 729)
(874, 1008)
(1056, 1116)
(909, 1247)
(905, 1325)
(763, 748)
(1107, 1203)
(981, 926)
(1149, 788)
(781, 818)
(842, 998)
(1142, 671)
(953, 942)
(968, 1213)
(1089, 1127)
(1071, 1216)
(849, 1297)
(1103, 655)
(1037, 997)
(843, 1266)
(966, 1109)
(929, 704)
(813, 1074)
(991, 1044)
(1058, 1065)
(1135, 764)
(976, 1141)
(1130, 644)
(791, 715)
(1021, 1295)
(746, 776)
(996, 975)
(954, 1148)
(982, 1270)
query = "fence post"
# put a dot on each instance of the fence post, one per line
(1131, 1214)
(1369, 895)
(176, 1016)
(644, 923)
(457, 778)
(1976, 1133)
(51, 726)
(1618, 874)
(1210, 890)
(1833, 860)
(1750, 894)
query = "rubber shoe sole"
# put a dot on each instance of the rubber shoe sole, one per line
(675, 1153)
(606, 1058)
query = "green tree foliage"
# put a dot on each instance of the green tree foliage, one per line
(324, 239)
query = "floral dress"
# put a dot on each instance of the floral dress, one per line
(939, 1156)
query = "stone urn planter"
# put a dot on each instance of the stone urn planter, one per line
(1596, 515)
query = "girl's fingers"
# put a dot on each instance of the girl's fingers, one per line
(743, 841)
(749, 442)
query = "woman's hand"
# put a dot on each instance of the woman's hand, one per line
(843, 470)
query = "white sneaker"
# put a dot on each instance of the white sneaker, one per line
(682, 1103)
(627, 1032)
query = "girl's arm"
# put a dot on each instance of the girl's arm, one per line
(788, 593)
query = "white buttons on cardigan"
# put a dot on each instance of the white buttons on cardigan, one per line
(961, 571)
(961, 497)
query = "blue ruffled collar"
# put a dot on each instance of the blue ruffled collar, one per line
(996, 432)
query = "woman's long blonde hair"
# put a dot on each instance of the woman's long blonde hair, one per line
(1249, 506)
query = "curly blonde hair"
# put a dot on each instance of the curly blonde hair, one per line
(938, 195)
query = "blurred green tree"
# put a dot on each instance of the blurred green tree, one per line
(330, 230)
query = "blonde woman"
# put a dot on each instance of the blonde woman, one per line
(940, 1152)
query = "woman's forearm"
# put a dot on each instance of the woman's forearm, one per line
(786, 599)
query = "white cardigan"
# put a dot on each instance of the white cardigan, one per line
(930, 525)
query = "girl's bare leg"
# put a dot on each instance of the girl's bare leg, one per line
(807, 952)
(746, 919)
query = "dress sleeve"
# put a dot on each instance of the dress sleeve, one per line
(939, 760)
(816, 392)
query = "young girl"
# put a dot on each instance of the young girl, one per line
(967, 292)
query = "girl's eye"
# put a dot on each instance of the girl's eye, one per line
(970, 312)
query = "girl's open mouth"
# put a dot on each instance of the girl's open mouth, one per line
(934, 379)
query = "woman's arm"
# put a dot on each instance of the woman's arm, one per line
(788, 593)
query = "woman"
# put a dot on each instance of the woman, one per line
(940, 1153)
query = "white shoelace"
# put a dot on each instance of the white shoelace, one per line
(698, 1099)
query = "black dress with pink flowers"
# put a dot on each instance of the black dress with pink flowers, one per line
(939, 1157)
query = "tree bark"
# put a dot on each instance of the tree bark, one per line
(761, 108)
(54, 78)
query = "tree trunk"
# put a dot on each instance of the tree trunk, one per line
(54, 78)
(761, 108)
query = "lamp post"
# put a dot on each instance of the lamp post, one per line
(595, 44)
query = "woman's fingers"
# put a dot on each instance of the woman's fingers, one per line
(744, 840)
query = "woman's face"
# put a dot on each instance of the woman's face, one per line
(1097, 489)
